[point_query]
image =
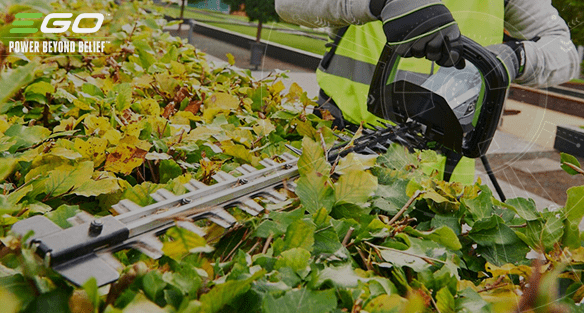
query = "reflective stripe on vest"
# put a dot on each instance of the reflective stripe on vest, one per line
(346, 79)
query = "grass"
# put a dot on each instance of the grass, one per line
(268, 33)
(577, 80)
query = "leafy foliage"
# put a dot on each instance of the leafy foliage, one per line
(371, 233)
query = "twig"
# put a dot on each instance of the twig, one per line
(267, 245)
(574, 167)
(323, 144)
(369, 267)
(518, 226)
(434, 304)
(257, 244)
(348, 236)
(237, 246)
(406, 206)
(424, 258)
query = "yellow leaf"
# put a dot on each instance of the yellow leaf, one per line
(92, 149)
(135, 142)
(239, 152)
(96, 125)
(355, 187)
(67, 177)
(294, 92)
(150, 107)
(183, 242)
(223, 101)
(97, 187)
(142, 81)
(184, 118)
(112, 136)
(355, 161)
(263, 127)
(278, 87)
(124, 159)
(177, 68)
(64, 153)
(200, 133)
(508, 269)
(65, 125)
(230, 58)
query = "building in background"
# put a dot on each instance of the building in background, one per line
(214, 5)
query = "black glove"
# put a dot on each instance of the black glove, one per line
(423, 28)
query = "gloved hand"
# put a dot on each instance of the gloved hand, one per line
(423, 28)
(512, 54)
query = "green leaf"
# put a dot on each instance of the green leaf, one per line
(301, 300)
(543, 233)
(492, 231)
(9, 203)
(443, 235)
(278, 223)
(92, 187)
(182, 243)
(393, 196)
(397, 157)
(300, 234)
(574, 208)
(503, 254)
(315, 192)
(355, 162)
(386, 304)
(343, 276)
(63, 179)
(55, 301)
(480, 206)
(225, 293)
(124, 96)
(355, 187)
(140, 194)
(297, 259)
(569, 159)
(445, 301)
(92, 90)
(62, 213)
(525, 208)
(153, 284)
(10, 303)
(19, 287)
(471, 301)
(90, 288)
(169, 170)
(312, 159)
(38, 92)
(26, 136)
(13, 81)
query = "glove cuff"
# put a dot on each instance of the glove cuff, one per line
(397, 8)
(507, 55)
(519, 50)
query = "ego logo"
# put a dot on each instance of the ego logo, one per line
(64, 24)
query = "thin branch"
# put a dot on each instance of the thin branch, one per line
(574, 167)
(348, 236)
(406, 206)
(365, 260)
(267, 245)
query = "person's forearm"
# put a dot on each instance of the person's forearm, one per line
(325, 13)
(551, 60)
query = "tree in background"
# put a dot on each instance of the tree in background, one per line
(572, 11)
(263, 11)
(182, 9)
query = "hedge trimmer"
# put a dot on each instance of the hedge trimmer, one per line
(85, 249)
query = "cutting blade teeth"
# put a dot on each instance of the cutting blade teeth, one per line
(290, 185)
(287, 156)
(125, 206)
(223, 177)
(268, 162)
(191, 227)
(251, 207)
(147, 244)
(162, 194)
(221, 217)
(246, 169)
(194, 185)
(80, 218)
(273, 196)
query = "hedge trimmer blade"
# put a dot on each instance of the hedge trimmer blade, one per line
(85, 249)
